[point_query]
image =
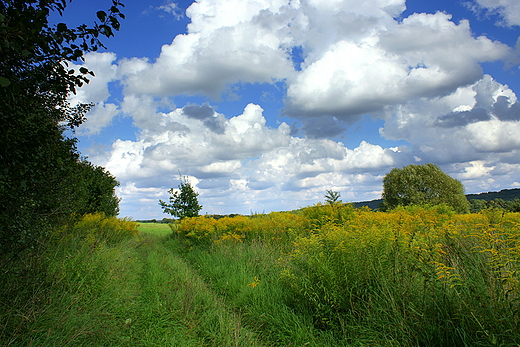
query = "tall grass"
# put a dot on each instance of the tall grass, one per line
(417, 276)
(71, 277)
(327, 275)
(247, 278)
(104, 284)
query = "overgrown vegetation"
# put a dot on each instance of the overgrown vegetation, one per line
(326, 275)
(44, 180)
(102, 284)
(416, 276)
(477, 205)
(57, 225)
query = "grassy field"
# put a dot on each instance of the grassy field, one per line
(325, 276)
(157, 229)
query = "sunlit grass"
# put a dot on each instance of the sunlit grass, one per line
(133, 293)
(323, 276)
(157, 229)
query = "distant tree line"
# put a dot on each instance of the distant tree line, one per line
(477, 205)
(504, 194)
(411, 185)
(44, 181)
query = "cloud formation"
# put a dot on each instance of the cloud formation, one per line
(475, 124)
(508, 9)
(246, 159)
(426, 55)
(97, 92)
(356, 59)
(339, 60)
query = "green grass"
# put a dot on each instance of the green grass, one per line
(360, 280)
(246, 276)
(136, 293)
(158, 229)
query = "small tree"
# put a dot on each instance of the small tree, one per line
(422, 184)
(183, 201)
(332, 197)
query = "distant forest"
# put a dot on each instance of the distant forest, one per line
(505, 194)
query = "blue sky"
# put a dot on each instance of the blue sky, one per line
(266, 104)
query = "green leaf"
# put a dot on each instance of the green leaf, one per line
(101, 15)
(62, 27)
(107, 31)
(4, 82)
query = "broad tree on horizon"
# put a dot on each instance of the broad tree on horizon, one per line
(421, 185)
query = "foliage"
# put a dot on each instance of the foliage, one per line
(416, 275)
(98, 190)
(319, 215)
(514, 206)
(272, 227)
(41, 168)
(477, 205)
(422, 184)
(476, 200)
(35, 55)
(183, 201)
(136, 292)
(422, 275)
(332, 197)
(326, 275)
(97, 229)
(47, 300)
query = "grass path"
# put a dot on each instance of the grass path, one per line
(138, 293)
(175, 307)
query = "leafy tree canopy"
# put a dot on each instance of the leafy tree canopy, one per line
(41, 176)
(422, 184)
(183, 201)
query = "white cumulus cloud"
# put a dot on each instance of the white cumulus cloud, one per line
(97, 92)
(508, 9)
(421, 76)
(426, 55)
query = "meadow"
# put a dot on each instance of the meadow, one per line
(325, 275)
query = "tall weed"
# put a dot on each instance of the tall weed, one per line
(422, 275)
(275, 227)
